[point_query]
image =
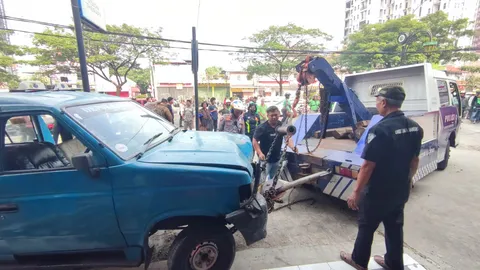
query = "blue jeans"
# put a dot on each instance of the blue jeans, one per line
(271, 169)
(475, 115)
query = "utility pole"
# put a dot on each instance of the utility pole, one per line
(406, 39)
(80, 45)
(195, 72)
(151, 66)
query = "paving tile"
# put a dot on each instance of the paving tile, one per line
(410, 264)
(287, 268)
(317, 266)
(340, 265)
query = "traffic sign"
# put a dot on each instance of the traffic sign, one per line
(92, 14)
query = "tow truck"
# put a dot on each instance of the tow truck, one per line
(331, 161)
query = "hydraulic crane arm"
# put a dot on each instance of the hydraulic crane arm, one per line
(335, 90)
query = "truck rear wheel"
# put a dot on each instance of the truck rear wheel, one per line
(202, 248)
(444, 163)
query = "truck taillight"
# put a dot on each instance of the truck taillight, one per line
(347, 171)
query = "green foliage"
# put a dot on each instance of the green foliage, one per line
(437, 66)
(41, 78)
(473, 69)
(7, 60)
(118, 54)
(213, 73)
(140, 76)
(376, 38)
(278, 65)
(472, 83)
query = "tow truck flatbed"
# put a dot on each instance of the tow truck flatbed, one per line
(432, 101)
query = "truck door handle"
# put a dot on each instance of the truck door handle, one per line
(8, 207)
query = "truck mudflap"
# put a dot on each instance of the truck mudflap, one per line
(251, 220)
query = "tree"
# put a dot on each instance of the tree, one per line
(447, 33)
(381, 49)
(140, 76)
(472, 83)
(212, 73)
(473, 69)
(278, 50)
(7, 60)
(41, 78)
(116, 53)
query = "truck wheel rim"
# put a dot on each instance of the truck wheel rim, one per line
(204, 256)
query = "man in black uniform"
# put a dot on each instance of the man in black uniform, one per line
(384, 181)
(263, 138)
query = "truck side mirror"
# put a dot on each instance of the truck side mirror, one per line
(84, 163)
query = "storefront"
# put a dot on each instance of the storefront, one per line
(244, 92)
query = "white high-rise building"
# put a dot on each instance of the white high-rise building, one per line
(360, 12)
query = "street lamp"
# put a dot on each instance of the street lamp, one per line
(407, 39)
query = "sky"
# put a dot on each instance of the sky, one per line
(217, 21)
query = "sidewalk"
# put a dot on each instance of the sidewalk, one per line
(410, 264)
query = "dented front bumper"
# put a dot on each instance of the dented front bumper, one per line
(251, 220)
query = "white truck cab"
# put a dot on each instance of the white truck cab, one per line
(432, 100)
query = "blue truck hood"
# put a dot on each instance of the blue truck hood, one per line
(217, 149)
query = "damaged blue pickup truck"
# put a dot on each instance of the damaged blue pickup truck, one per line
(86, 178)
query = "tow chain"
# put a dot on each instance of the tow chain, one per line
(271, 194)
(302, 80)
(324, 107)
(306, 109)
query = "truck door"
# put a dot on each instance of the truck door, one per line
(456, 100)
(47, 206)
(5, 253)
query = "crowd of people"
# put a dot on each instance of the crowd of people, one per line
(232, 115)
(471, 107)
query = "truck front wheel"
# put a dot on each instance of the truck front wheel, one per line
(444, 163)
(202, 248)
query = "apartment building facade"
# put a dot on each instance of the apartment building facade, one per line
(361, 12)
(476, 38)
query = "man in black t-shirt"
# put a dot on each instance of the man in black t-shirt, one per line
(384, 181)
(263, 139)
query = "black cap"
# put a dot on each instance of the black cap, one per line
(394, 93)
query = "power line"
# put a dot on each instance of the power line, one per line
(90, 30)
(116, 42)
(172, 40)
(252, 50)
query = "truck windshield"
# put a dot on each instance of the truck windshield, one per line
(124, 127)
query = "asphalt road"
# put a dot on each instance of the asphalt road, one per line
(442, 222)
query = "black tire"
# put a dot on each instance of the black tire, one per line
(444, 163)
(190, 242)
